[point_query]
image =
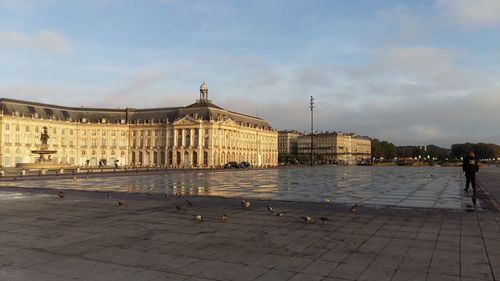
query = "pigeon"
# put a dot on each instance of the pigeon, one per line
(166, 196)
(354, 208)
(178, 195)
(325, 219)
(280, 214)
(308, 219)
(108, 196)
(122, 204)
(223, 218)
(179, 209)
(61, 194)
(198, 218)
(245, 204)
(189, 203)
(269, 208)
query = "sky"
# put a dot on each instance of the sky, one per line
(410, 72)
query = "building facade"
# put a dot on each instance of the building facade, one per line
(287, 142)
(199, 135)
(337, 147)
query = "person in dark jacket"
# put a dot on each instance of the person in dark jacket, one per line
(470, 168)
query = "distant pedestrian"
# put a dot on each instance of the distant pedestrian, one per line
(470, 168)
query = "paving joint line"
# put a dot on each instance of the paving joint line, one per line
(485, 248)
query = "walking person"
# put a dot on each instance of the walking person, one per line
(470, 168)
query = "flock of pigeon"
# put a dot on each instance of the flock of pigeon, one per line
(224, 218)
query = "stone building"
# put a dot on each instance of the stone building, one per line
(337, 147)
(287, 142)
(199, 135)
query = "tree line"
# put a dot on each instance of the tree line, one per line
(388, 151)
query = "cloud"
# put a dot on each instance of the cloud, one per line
(470, 12)
(436, 70)
(401, 24)
(42, 40)
(23, 6)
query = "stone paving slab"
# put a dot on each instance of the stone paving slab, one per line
(85, 236)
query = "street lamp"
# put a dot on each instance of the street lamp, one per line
(312, 137)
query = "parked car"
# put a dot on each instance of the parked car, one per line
(244, 165)
(231, 165)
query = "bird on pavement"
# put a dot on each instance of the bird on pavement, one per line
(61, 194)
(198, 218)
(108, 196)
(122, 204)
(245, 204)
(179, 209)
(223, 218)
(354, 208)
(269, 208)
(325, 219)
(308, 219)
(281, 213)
(189, 203)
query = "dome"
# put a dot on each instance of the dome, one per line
(203, 86)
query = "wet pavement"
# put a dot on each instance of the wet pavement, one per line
(425, 187)
(85, 235)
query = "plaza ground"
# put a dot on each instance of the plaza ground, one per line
(87, 236)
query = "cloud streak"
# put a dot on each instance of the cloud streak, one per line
(475, 13)
(45, 40)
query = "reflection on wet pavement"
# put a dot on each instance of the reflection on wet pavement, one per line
(429, 187)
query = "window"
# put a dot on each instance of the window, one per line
(7, 127)
(113, 132)
(94, 142)
(103, 133)
(113, 142)
(94, 132)
(70, 132)
(123, 133)
(7, 139)
(54, 130)
(17, 127)
(179, 137)
(103, 142)
(27, 128)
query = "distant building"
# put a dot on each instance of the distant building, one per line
(198, 135)
(336, 147)
(288, 142)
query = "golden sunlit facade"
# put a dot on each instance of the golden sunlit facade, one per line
(337, 147)
(199, 135)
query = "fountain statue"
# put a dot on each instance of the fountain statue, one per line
(44, 160)
(44, 152)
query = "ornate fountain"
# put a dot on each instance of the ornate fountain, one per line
(44, 161)
(44, 152)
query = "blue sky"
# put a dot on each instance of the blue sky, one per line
(411, 72)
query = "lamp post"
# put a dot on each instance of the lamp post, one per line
(312, 123)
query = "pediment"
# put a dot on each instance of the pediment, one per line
(187, 120)
(229, 121)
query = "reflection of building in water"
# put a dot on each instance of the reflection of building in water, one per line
(336, 147)
(199, 135)
(287, 142)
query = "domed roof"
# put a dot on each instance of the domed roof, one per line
(203, 86)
